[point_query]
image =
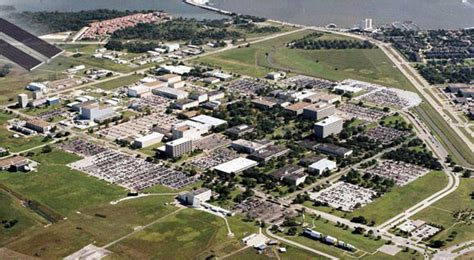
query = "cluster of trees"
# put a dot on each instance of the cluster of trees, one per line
(9, 223)
(45, 22)
(422, 158)
(252, 28)
(179, 30)
(375, 182)
(5, 70)
(245, 18)
(310, 44)
(440, 72)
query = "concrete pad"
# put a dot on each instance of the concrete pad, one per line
(389, 249)
(89, 252)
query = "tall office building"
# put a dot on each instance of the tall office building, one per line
(179, 147)
(328, 126)
(22, 100)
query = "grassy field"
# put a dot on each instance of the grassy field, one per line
(58, 187)
(290, 254)
(11, 209)
(101, 223)
(187, 234)
(120, 82)
(15, 144)
(15, 82)
(401, 198)
(258, 59)
(441, 213)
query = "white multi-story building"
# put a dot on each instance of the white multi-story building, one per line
(179, 147)
(328, 126)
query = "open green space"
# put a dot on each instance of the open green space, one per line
(272, 253)
(119, 82)
(11, 209)
(402, 198)
(57, 186)
(15, 144)
(15, 82)
(101, 223)
(442, 211)
(185, 235)
(258, 59)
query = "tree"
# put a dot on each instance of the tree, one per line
(292, 231)
(46, 149)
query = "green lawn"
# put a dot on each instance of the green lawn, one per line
(369, 65)
(271, 253)
(11, 209)
(101, 223)
(441, 213)
(402, 198)
(15, 144)
(359, 241)
(58, 187)
(120, 82)
(189, 234)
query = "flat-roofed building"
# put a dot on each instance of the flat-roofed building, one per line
(38, 125)
(215, 95)
(179, 147)
(185, 104)
(15, 163)
(264, 102)
(170, 78)
(319, 111)
(170, 93)
(189, 129)
(179, 69)
(22, 100)
(284, 174)
(334, 150)
(330, 98)
(269, 152)
(200, 97)
(155, 84)
(209, 120)
(194, 198)
(239, 130)
(94, 111)
(329, 126)
(322, 165)
(296, 109)
(236, 166)
(247, 146)
(148, 140)
(138, 91)
(295, 179)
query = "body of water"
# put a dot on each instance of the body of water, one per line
(346, 13)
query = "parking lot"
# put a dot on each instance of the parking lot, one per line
(138, 126)
(344, 196)
(214, 158)
(211, 142)
(367, 114)
(247, 86)
(385, 135)
(400, 172)
(127, 171)
(306, 81)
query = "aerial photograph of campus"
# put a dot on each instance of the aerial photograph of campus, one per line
(237, 129)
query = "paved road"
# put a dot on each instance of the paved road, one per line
(448, 254)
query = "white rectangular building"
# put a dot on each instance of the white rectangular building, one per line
(138, 91)
(209, 120)
(328, 126)
(148, 140)
(322, 166)
(235, 166)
